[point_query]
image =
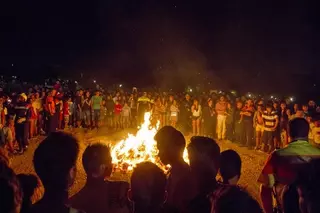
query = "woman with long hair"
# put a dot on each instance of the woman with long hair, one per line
(174, 111)
(196, 117)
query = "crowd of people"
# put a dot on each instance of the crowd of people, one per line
(290, 175)
(255, 123)
(288, 132)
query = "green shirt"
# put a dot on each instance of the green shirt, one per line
(96, 102)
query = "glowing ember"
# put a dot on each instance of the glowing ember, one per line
(138, 148)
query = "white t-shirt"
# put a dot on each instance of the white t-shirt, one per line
(197, 113)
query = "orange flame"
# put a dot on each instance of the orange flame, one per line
(138, 148)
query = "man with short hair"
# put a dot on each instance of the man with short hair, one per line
(204, 156)
(55, 164)
(171, 144)
(148, 188)
(230, 167)
(78, 104)
(100, 195)
(283, 165)
(96, 102)
(270, 123)
(221, 109)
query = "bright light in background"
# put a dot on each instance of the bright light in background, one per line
(76, 82)
(271, 97)
(120, 85)
(94, 81)
(190, 90)
(291, 98)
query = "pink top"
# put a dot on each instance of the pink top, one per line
(221, 108)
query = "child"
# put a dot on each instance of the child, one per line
(117, 115)
(126, 115)
(230, 167)
(9, 135)
(67, 112)
(99, 194)
(174, 110)
(33, 119)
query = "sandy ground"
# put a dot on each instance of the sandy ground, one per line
(252, 161)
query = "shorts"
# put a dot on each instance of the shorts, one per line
(259, 128)
(96, 114)
(66, 119)
(174, 118)
(194, 118)
(267, 137)
(78, 115)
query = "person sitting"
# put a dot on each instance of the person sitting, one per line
(55, 164)
(181, 187)
(148, 189)
(11, 194)
(99, 194)
(230, 167)
(204, 156)
(233, 199)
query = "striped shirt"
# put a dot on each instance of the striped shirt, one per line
(269, 120)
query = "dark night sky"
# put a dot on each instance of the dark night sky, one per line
(242, 43)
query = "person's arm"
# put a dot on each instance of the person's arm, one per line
(218, 108)
(91, 102)
(255, 119)
(267, 181)
(277, 123)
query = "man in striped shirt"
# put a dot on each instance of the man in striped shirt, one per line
(270, 122)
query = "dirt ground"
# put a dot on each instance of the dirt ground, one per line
(252, 161)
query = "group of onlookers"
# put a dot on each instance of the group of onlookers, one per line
(290, 176)
(252, 123)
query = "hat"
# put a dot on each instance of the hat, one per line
(24, 96)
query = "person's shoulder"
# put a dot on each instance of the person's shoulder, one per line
(118, 184)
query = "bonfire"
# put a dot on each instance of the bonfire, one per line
(137, 148)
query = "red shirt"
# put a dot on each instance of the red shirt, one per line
(34, 113)
(117, 109)
(65, 108)
(285, 163)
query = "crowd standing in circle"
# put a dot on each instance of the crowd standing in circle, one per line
(289, 179)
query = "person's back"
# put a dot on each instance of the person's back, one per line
(204, 154)
(102, 196)
(230, 167)
(148, 189)
(11, 194)
(232, 199)
(55, 164)
(284, 164)
(98, 195)
(181, 186)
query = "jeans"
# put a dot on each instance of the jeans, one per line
(86, 117)
(96, 115)
(248, 130)
(221, 126)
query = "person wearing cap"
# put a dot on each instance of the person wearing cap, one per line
(22, 114)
